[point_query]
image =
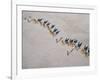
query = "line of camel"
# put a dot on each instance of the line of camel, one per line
(74, 44)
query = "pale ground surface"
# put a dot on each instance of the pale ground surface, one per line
(40, 49)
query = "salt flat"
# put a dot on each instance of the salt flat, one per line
(40, 49)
